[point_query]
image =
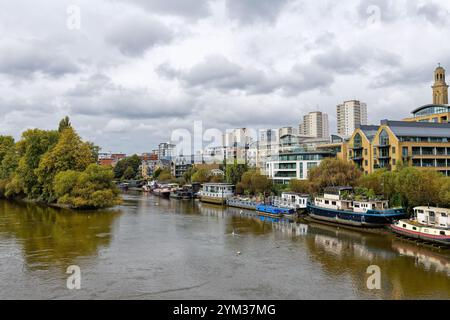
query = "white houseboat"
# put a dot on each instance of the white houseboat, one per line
(428, 224)
(291, 200)
(216, 192)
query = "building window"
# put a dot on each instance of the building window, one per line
(393, 150)
(384, 138)
(405, 152)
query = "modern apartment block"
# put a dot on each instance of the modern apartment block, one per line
(419, 144)
(315, 124)
(350, 115)
(294, 165)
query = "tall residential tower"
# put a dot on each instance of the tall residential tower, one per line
(315, 124)
(350, 115)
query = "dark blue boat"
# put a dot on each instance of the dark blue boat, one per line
(370, 219)
(339, 205)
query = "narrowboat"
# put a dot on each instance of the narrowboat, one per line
(337, 206)
(216, 193)
(428, 224)
(273, 211)
(242, 203)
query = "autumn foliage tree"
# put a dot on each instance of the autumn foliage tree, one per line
(333, 172)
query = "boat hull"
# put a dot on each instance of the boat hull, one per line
(440, 239)
(366, 220)
(213, 200)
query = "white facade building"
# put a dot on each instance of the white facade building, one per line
(296, 165)
(350, 115)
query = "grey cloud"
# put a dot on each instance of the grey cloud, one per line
(250, 11)
(135, 35)
(24, 59)
(354, 59)
(184, 8)
(434, 13)
(98, 96)
(217, 72)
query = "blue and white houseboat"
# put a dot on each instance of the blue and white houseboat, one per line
(337, 206)
(428, 224)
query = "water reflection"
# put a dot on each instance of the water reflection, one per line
(164, 248)
(54, 237)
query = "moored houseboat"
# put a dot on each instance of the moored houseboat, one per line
(291, 200)
(273, 211)
(242, 203)
(338, 206)
(427, 224)
(182, 194)
(164, 190)
(216, 193)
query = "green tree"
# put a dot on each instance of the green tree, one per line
(201, 176)
(30, 149)
(92, 188)
(166, 176)
(70, 153)
(122, 166)
(6, 144)
(234, 172)
(253, 183)
(129, 174)
(64, 124)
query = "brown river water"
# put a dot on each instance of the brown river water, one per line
(152, 248)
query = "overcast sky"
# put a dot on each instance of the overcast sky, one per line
(128, 72)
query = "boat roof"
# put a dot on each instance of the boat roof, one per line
(297, 194)
(445, 210)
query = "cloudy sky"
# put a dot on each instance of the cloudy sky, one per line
(128, 72)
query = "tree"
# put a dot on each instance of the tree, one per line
(129, 174)
(333, 172)
(200, 176)
(299, 186)
(166, 175)
(70, 153)
(122, 166)
(92, 188)
(64, 124)
(6, 144)
(234, 172)
(253, 183)
(30, 149)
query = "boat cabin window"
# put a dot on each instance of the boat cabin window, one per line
(333, 203)
(404, 225)
(442, 233)
(327, 202)
(414, 228)
(356, 205)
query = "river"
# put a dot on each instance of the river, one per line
(152, 248)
